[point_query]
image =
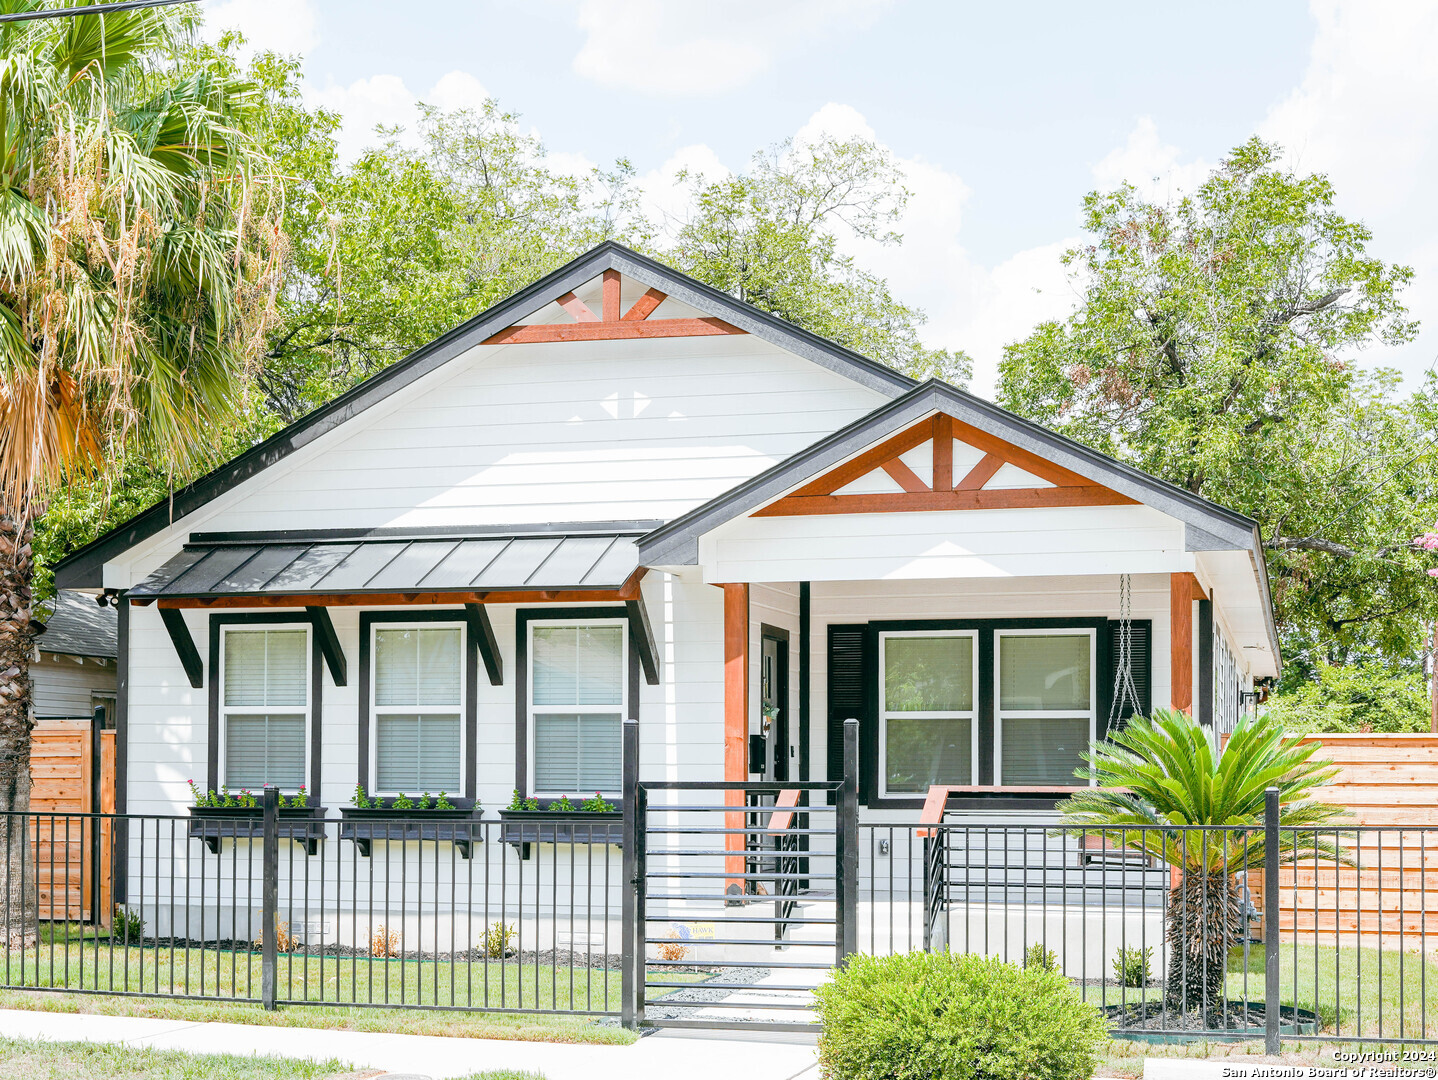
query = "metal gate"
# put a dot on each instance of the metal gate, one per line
(742, 897)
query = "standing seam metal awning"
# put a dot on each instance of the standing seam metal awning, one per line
(317, 566)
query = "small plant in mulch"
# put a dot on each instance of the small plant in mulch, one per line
(284, 940)
(384, 942)
(673, 949)
(1133, 967)
(497, 939)
(1036, 956)
(128, 926)
(597, 805)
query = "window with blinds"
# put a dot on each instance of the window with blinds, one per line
(264, 704)
(1045, 705)
(928, 730)
(418, 695)
(576, 696)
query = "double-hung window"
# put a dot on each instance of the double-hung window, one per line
(418, 695)
(928, 727)
(265, 706)
(577, 707)
(1046, 714)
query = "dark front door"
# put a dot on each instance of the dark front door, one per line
(774, 702)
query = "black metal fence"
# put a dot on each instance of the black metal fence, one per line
(722, 904)
(273, 909)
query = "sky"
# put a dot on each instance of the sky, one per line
(1002, 115)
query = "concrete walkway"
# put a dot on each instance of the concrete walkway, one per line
(698, 1056)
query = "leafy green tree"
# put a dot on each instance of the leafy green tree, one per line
(770, 236)
(1352, 698)
(409, 242)
(1165, 788)
(1214, 346)
(139, 259)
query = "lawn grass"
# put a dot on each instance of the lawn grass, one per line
(345, 990)
(25, 1059)
(1355, 991)
(97, 965)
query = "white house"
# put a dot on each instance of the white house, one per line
(622, 493)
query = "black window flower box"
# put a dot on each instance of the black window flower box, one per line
(524, 827)
(302, 824)
(459, 826)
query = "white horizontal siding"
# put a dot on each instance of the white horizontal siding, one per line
(1077, 540)
(566, 431)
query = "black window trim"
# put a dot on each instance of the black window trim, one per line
(522, 618)
(367, 620)
(985, 628)
(274, 619)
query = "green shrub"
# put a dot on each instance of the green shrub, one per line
(941, 1016)
(128, 928)
(497, 939)
(1132, 967)
(1036, 956)
(1357, 697)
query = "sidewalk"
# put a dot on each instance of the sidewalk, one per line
(706, 1056)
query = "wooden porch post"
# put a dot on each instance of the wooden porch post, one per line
(1184, 589)
(736, 720)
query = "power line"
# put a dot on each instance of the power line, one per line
(89, 9)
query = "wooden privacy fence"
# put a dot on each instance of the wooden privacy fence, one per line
(1392, 890)
(71, 858)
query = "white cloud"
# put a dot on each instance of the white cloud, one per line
(1151, 165)
(386, 100)
(655, 46)
(970, 307)
(1366, 113)
(285, 26)
(666, 200)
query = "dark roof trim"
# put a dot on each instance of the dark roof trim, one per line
(440, 532)
(82, 569)
(677, 543)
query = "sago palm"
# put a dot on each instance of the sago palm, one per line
(139, 247)
(1165, 788)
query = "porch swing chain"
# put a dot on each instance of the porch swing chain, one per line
(1123, 684)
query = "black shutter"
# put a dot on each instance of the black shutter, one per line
(849, 676)
(1141, 649)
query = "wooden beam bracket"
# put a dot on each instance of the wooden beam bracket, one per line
(329, 643)
(184, 644)
(642, 634)
(482, 633)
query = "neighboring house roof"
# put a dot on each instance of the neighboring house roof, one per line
(79, 627)
(560, 557)
(82, 569)
(1210, 527)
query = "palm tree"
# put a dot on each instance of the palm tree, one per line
(1165, 788)
(139, 254)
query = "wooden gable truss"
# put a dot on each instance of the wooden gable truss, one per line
(610, 325)
(943, 464)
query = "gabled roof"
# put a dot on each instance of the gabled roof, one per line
(78, 626)
(1211, 527)
(82, 569)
